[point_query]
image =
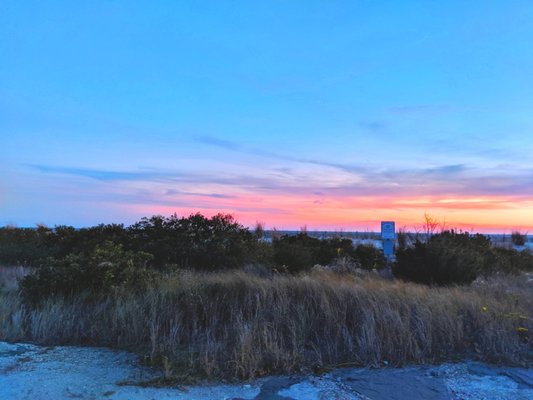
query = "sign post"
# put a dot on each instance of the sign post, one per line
(388, 237)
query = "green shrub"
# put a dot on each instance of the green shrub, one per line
(24, 246)
(447, 258)
(297, 253)
(333, 248)
(194, 242)
(107, 267)
(510, 261)
(301, 252)
(518, 239)
(369, 257)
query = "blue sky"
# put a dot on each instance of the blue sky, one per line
(325, 113)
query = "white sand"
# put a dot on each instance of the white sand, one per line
(59, 373)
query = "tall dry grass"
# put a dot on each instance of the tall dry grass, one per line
(235, 324)
(10, 276)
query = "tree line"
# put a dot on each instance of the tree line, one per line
(194, 242)
(105, 257)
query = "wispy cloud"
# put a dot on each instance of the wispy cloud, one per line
(227, 145)
(174, 192)
(424, 108)
(298, 195)
(102, 175)
(440, 180)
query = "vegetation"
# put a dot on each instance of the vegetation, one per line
(457, 258)
(300, 252)
(106, 268)
(205, 297)
(237, 325)
(188, 242)
(194, 242)
(518, 239)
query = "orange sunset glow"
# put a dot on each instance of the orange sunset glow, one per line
(486, 215)
(329, 117)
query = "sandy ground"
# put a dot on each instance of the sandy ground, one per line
(33, 372)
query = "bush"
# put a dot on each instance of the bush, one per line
(518, 239)
(297, 253)
(510, 261)
(105, 268)
(188, 242)
(369, 257)
(194, 242)
(24, 246)
(301, 252)
(333, 248)
(447, 258)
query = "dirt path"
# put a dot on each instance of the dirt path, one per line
(41, 373)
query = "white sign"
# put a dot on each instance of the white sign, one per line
(388, 230)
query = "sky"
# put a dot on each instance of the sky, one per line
(325, 114)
